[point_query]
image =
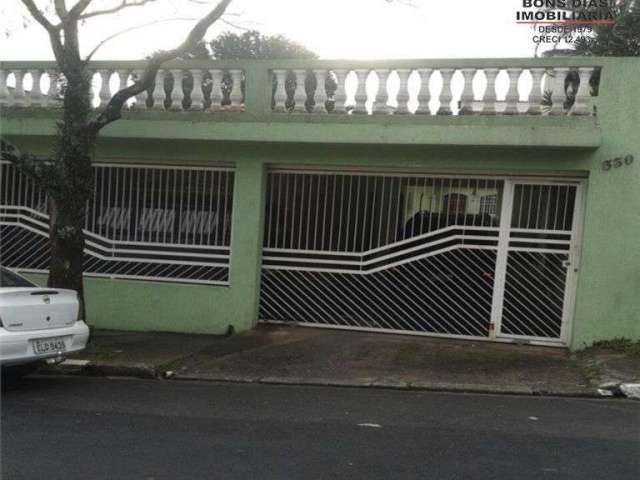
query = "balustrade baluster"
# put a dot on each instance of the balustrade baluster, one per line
(424, 94)
(403, 91)
(197, 97)
(512, 96)
(35, 95)
(158, 93)
(489, 98)
(4, 91)
(105, 91)
(280, 95)
(300, 94)
(320, 95)
(382, 95)
(361, 91)
(535, 97)
(558, 94)
(582, 102)
(236, 90)
(123, 79)
(466, 98)
(445, 94)
(341, 93)
(177, 93)
(53, 91)
(216, 90)
(141, 98)
(17, 96)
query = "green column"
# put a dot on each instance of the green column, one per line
(246, 241)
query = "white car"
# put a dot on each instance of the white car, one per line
(36, 324)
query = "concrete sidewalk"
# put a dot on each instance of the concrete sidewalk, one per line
(291, 355)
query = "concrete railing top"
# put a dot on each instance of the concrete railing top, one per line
(566, 61)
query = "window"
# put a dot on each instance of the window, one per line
(455, 204)
(488, 205)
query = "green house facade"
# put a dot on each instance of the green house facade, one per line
(494, 199)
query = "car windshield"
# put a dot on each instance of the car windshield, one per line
(10, 279)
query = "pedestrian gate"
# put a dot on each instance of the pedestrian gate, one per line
(465, 256)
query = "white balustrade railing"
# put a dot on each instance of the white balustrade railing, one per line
(435, 91)
(174, 89)
(317, 88)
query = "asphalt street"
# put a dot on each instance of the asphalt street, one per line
(102, 428)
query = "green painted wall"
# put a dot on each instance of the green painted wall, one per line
(608, 295)
(142, 305)
(608, 291)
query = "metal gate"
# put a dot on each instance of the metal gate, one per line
(464, 256)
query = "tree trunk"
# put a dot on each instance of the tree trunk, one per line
(66, 241)
(73, 187)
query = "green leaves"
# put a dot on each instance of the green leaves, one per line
(621, 39)
(254, 45)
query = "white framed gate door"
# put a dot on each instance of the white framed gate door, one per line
(537, 261)
(481, 257)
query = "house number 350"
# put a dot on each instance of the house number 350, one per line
(617, 162)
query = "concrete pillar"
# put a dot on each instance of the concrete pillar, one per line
(246, 241)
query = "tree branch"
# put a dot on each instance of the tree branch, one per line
(113, 110)
(131, 29)
(61, 8)
(78, 8)
(37, 168)
(124, 4)
(52, 30)
(39, 16)
(234, 25)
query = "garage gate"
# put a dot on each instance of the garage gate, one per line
(466, 256)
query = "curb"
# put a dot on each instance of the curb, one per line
(100, 369)
(143, 371)
(521, 390)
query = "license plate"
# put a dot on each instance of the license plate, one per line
(49, 345)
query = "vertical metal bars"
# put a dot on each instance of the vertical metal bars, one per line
(152, 222)
(357, 212)
(543, 207)
(174, 206)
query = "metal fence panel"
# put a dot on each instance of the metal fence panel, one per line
(144, 222)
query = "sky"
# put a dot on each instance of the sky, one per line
(334, 29)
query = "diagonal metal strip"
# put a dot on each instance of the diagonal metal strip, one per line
(517, 274)
(442, 315)
(458, 316)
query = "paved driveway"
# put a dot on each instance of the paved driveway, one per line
(275, 354)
